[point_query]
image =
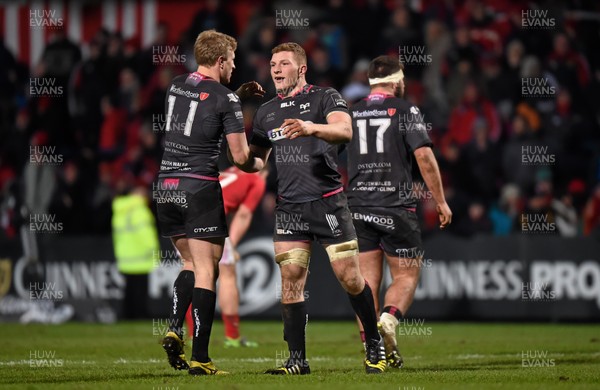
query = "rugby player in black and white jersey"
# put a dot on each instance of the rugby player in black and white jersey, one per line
(303, 124)
(387, 131)
(190, 209)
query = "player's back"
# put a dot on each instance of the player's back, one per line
(386, 130)
(199, 111)
(239, 187)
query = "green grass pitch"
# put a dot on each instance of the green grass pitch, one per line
(439, 356)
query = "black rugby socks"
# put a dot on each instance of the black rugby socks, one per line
(364, 307)
(182, 297)
(203, 313)
(295, 319)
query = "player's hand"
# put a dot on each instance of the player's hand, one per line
(250, 89)
(236, 255)
(445, 214)
(294, 128)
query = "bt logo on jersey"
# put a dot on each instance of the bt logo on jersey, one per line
(276, 134)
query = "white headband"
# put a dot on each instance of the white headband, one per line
(393, 78)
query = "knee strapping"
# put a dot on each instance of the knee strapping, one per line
(342, 250)
(300, 257)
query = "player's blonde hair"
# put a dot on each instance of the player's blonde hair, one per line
(210, 45)
(299, 53)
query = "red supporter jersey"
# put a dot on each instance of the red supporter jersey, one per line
(241, 188)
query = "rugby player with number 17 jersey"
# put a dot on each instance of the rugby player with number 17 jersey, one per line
(386, 131)
(303, 124)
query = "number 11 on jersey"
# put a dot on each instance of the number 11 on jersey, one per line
(189, 120)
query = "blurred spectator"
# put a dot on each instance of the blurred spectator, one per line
(339, 13)
(67, 200)
(482, 160)
(147, 64)
(14, 143)
(463, 117)
(569, 66)
(462, 49)
(541, 200)
(60, 56)
(591, 214)
(481, 28)
(504, 215)
(256, 46)
(475, 222)
(515, 171)
(437, 42)
(10, 202)
(112, 130)
(128, 91)
(261, 43)
(88, 87)
(213, 15)
(359, 83)
(39, 175)
(135, 242)
(399, 31)
(8, 86)
(532, 70)
(565, 216)
(333, 39)
(115, 60)
(498, 86)
(320, 70)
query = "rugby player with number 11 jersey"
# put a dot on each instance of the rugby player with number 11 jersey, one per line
(200, 110)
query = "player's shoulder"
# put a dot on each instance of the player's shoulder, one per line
(180, 78)
(323, 93)
(320, 90)
(225, 97)
(405, 105)
(195, 86)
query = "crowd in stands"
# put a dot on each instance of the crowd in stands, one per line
(505, 150)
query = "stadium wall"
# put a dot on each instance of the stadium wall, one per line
(528, 278)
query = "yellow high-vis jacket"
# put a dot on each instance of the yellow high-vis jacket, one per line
(135, 240)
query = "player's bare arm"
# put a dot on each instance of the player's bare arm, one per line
(338, 129)
(257, 159)
(431, 174)
(238, 151)
(239, 224)
(242, 156)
